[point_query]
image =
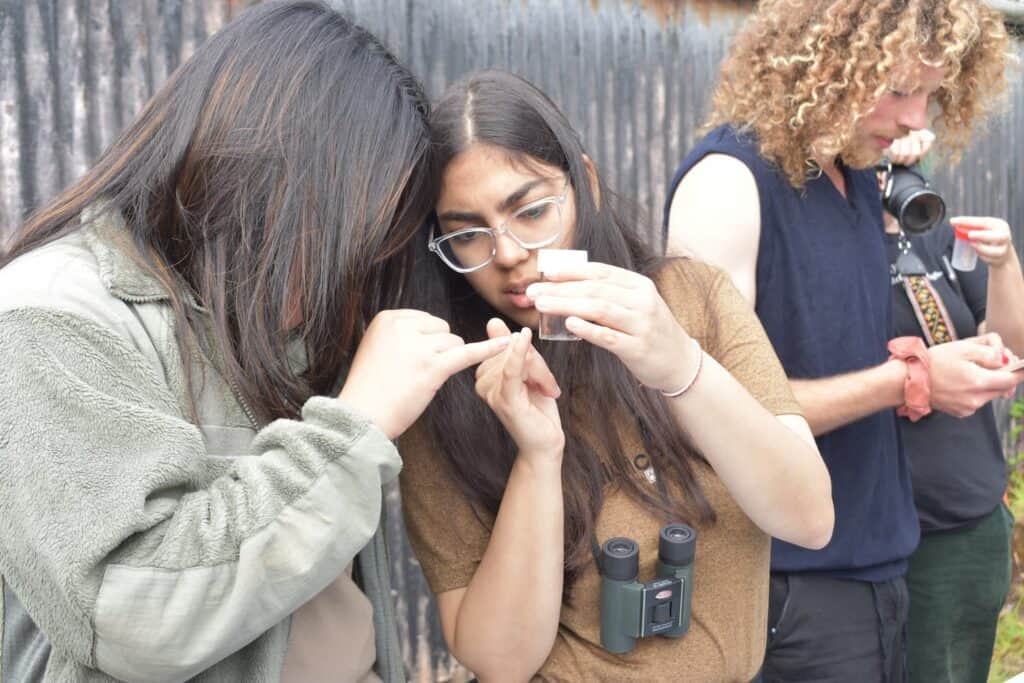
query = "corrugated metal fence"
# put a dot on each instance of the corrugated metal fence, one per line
(634, 77)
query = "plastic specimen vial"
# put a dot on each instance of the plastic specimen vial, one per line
(552, 327)
(964, 256)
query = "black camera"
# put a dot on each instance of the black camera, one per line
(908, 196)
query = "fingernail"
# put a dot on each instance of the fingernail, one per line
(532, 290)
(503, 341)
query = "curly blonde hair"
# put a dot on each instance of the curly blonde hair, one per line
(802, 73)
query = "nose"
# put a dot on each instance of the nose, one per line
(507, 252)
(914, 114)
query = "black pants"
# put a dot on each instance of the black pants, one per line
(826, 630)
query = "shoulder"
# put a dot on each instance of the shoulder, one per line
(719, 166)
(62, 276)
(719, 184)
(65, 281)
(729, 141)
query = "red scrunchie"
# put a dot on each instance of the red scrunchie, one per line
(917, 389)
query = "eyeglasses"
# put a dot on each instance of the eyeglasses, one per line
(536, 225)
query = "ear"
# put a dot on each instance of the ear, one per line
(595, 187)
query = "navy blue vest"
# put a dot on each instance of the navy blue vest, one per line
(823, 298)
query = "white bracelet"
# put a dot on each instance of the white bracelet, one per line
(693, 379)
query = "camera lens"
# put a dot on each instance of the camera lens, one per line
(908, 197)
(922, 212)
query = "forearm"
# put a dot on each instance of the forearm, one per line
(832, 402)
(1005, 303)
(775, 475)
(163, 542)
(508, 617)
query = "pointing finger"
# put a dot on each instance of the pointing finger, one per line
(459, 358)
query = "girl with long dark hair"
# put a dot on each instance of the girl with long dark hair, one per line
(182, 493)
(673, 407)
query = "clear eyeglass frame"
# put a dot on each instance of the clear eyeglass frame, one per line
(434, 242)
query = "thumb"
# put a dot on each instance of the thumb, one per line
(496, 327)
(981, 351)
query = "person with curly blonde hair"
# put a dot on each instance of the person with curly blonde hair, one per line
(782, 194)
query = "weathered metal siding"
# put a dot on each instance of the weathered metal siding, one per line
(73, 73)
(634, 77)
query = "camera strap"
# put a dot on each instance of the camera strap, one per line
(930, 311)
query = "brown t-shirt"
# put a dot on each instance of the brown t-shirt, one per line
(730, 584)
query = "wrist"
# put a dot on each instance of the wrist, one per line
(678, 387)
(540, 463)
(896, 377)
(917, 380)
(1003, 265)
(361, 406)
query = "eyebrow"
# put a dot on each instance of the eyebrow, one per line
(506, 204)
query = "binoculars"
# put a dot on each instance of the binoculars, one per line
(909, 198)
(660, 607)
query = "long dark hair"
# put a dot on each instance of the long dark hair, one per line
(279, 174)
(497, 108)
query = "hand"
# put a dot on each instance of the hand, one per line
(622, 312)
(520, 389)
(403, 359)
(967, 374)
(911, 148)
(990, 237)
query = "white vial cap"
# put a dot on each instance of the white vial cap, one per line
(554, 259)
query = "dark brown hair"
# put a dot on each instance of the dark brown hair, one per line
(509, 113)
(277, 178)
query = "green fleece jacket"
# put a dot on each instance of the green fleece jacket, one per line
(147, 547)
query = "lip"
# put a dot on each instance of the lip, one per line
(516, 293)
(884, 143)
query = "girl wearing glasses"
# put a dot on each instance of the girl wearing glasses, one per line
(673, 407)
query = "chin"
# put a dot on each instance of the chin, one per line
(866, 156)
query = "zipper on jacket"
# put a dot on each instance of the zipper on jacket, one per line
(135, 299)
(241, 401)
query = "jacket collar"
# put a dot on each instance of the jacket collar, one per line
(120, 263)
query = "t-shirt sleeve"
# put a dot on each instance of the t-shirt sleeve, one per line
(713, 311)
(447, 535)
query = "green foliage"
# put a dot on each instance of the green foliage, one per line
(1008, 654)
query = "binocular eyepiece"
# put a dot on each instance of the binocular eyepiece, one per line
(660, 607)
(908, 196)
